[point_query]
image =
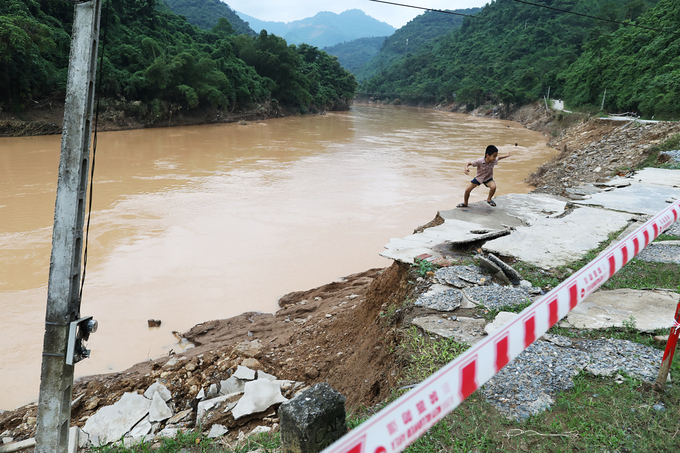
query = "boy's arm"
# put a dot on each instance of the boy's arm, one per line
(467, 170)
(504, 157)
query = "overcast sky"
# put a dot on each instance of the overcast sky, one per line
(290, 10)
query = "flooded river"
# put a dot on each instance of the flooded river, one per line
(197, 223)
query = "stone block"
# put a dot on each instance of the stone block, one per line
(313, 420)
(512, 274)
(258, 396)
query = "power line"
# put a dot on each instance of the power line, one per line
(585, 15)
(427, 9)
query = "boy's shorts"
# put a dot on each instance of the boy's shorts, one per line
(474, 181)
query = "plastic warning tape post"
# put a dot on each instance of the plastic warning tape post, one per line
(404, 420)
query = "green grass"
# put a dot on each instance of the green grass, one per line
(426, 355)
(638, 274)
(652, 160)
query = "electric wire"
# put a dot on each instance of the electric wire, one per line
(628, 24)
(94, 146)
(428, 9)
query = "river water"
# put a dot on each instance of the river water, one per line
(197, 223)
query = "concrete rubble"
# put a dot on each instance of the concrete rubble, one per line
(135, 418)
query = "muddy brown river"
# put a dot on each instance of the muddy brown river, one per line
(197, 223)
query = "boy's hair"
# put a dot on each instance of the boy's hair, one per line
(491, 150)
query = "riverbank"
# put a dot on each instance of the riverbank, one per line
(46, 117)
(325, 334)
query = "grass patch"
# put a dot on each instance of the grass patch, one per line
(666, 237)
(652, 160)
(427, 355)
(639, 274)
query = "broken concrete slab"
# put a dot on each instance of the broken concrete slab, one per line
(462, 330)
(492, 269)
(650, 310)
(499, 321)
(441, 298)
(178, 417)
(552, 242)
(141, 430)
(262, 375)
(244, 373)
(636, 199)
(259, 396)
(159, 411)
(110, 423)
(508, 270)
(217, 430)
(205, 406)
(513, 210)
(611, 356)
(161, 389)
(652, 176)
(477, 237)
(231, 385)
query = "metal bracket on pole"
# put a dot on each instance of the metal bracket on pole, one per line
(63, 289)
(79, 331)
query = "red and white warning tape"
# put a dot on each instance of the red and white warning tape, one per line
(406, 419)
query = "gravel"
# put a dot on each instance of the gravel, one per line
(446, 300)
(496, 297)
(657, 252)
(674, 229)
(529, 384)
(460, 276)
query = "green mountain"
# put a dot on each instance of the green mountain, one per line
(205, 14)
(512, 52)
(159, 59)
(408, 39)
(325, 28)
(639, 68)
(355, 54)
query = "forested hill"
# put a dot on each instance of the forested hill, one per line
(513, 52)
(157, 59)
(408, 39)
(325, 28)
(353, 55)
(206, 13)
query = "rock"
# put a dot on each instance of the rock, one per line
(7, 440)
(168, 432)
(204, 406)
(244, 373)
(251, 363)
(511, 273)
(231, 385)
(212, 391)
(191, 366)
(92, 404)
(661, 338)
(501, 319)
(172, 362)
(659, 407)
(311, 372)
(217, 431)
(201, 394)
(154, 322)
(159, 411)
(441, 297)
(313, 420)
(259, 430)
(160, 389)
(110, 423)
(251, 349)
(525, 284)
(179, 417)
(258, 396)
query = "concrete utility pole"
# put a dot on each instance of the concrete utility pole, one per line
(63, 294)
(603, 96)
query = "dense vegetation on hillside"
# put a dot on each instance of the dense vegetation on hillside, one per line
(325, 28)
(640, 69)
(206, 13)
(513, 52)
(353, 55)
(410, 37)
(158, 58)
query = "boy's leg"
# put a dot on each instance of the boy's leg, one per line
(492, 189)
(467, 192)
